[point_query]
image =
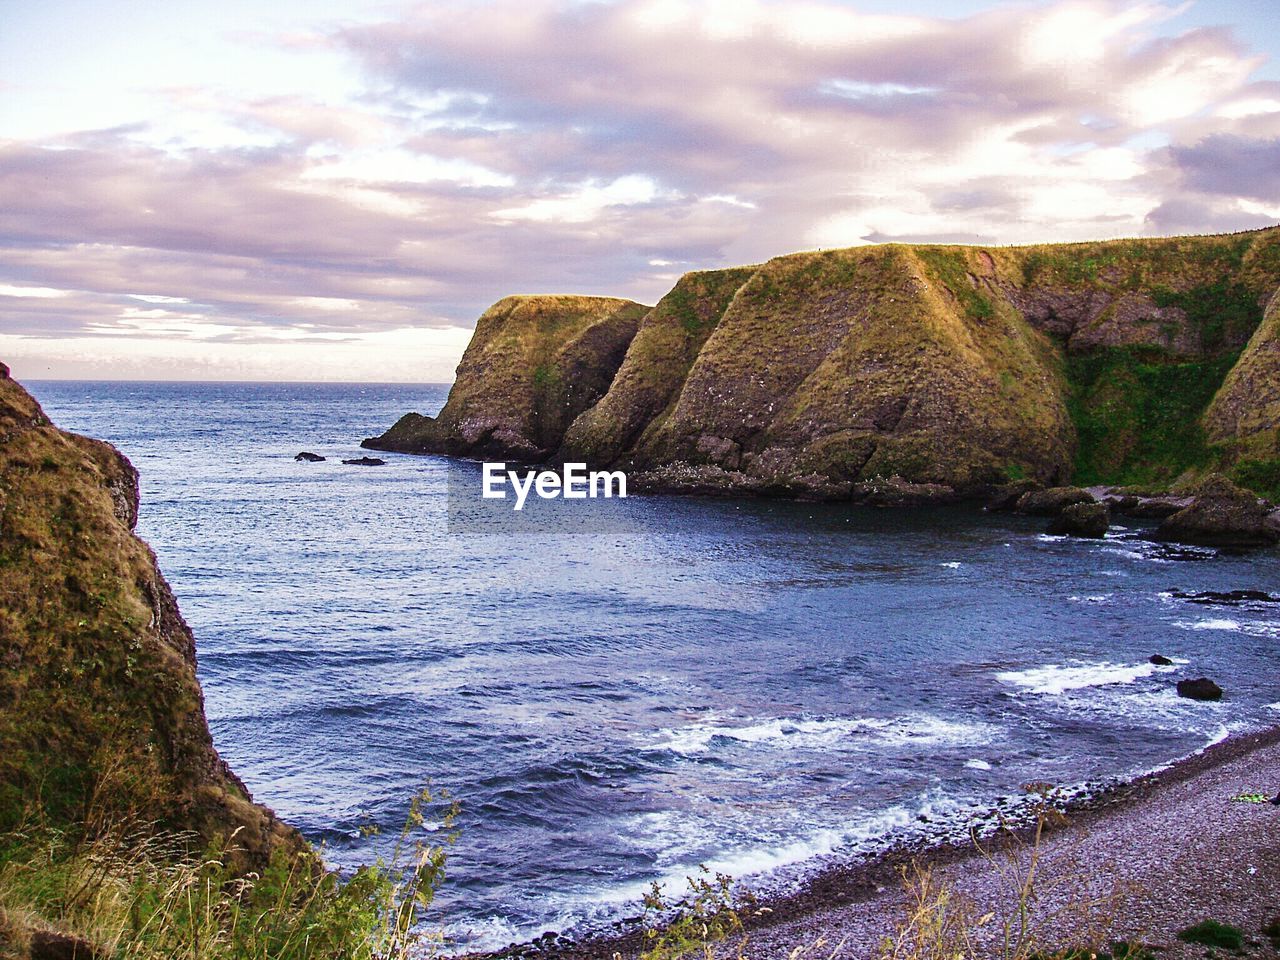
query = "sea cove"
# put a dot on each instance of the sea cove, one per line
(763, 686)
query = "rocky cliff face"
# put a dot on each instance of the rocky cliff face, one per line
(101, 714)
(949, 368)
(534, 365)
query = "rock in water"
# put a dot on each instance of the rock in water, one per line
(1160, 660)
(1051, 502)
(1005, 498)
(366, 462)
(1226, 598)
(1221, 515)
(1201, 688)
(1082, 520)
(307, 457)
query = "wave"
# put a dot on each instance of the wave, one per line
(812, 733)
(1056, 679)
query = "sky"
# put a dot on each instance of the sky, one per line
(336, 189)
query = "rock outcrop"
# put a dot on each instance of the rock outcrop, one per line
(101, 714)
(1221, 515)
(1082, 520)
(533, 365)
(1201, 688)
(1051, 502)
(954, 370)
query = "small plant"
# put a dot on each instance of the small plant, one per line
(944, 924)
(708, 915)
(1211, 933)
(134, 892)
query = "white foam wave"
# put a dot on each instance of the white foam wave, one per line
(1213, 625)
(1056, 679)
(1094, 598)
(951, 564)
(809, 733)
(976, 764)
(753, 861)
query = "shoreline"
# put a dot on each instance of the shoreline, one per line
(869, 890)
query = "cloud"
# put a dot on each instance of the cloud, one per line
(1232, 166)
(549, 145)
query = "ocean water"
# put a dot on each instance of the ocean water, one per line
(763, 687)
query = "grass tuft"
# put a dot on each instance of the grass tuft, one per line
(1212, 933)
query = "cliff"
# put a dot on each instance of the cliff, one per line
(101, 715)
(948, 369)
(534, 365)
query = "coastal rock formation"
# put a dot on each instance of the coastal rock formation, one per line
(1201, 688)
(954, 369)
(1051, 502)
(1221, 515)
(308, 457)
(101, 714)
(847, 366)
(533, 365)
(1082, 520)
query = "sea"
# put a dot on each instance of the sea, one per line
(761, 687)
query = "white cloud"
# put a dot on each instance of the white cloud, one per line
(586, 203)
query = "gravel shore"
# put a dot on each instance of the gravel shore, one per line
(1154, 857)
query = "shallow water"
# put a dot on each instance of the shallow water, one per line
(752, 685)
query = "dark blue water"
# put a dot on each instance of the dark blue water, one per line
(754, 685)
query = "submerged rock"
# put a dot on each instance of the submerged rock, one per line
(1201, 688)
(1082, 520)
(307, 457)
(1221, 515)
(1051, 502)
(1225, 598)
(1160, 660)
(366, 462)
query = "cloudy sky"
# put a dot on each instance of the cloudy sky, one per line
(335, 189)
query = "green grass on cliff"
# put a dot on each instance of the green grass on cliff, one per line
(123, 890)
(950, 266)
(1137, 413)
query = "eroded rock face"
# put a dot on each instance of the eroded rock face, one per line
(1221, 515)
(98, 689)
(534, 365)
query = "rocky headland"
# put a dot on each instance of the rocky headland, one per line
(101, 714)
(896, 375)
